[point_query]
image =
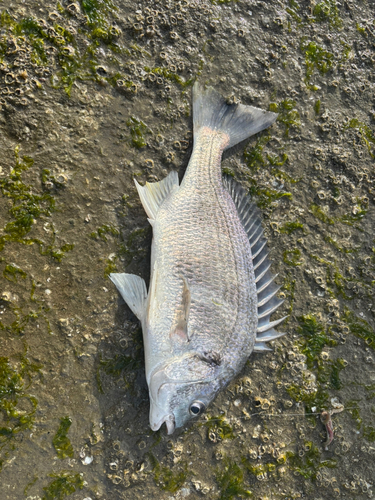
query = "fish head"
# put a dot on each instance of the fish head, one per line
(181, 389)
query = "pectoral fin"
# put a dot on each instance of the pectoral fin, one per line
(180, 329)
(133, 291)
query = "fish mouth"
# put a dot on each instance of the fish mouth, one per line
(169, 422)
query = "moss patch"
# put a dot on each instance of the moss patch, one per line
(292, 257)
(287, 114)
(26, 209)
(309, 464)
(359, 327)
(220, 427)
(231, 481)
(138, 129)
(17, 407)
(167, 479)
(62, 486)
(61, 442)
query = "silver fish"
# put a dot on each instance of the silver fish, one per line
(211, 292)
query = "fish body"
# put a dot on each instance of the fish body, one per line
(201, 317)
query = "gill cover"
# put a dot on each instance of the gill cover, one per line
(175, 385)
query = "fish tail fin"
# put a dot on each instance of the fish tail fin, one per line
(211, 110)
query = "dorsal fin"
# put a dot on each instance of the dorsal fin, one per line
(153, 194)
(249, 216)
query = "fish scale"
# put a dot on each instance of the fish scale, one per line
(219, 255)
(211, 292)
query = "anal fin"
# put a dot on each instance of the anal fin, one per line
(133, 290)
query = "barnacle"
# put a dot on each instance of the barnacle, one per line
(73, 8)
(150, 30)
(68, 51)
(9, 78)
(102, 70)
(137, 27)
(169, 156)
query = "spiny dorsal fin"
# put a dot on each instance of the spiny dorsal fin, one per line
(153, 194)
(249, 216)
(133, 290)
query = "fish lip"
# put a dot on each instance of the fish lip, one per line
(169, 422)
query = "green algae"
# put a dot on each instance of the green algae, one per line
(327, 10)
(367, 135)
(17, 407)
(220, 2)
(75, 62)
(353, 409)
(317, 106)
(12, 273)
(260, 469)
(100, 28)
(255, 159)
(334, 243)
(287, 114)
(167, 479)
(220, 427)
(369, 433)
(361, 29)
(103, 230)
(311, 399)
(254, 156)
(110, 266)
(316, 57)
(63, 485)
(280, 174)
(293, 9)
(291, 226)
(359, 327)
(292, 257)
(313, 338)
(61, 442)
(309, 464)
(119, 364)
(26, 209)
(289, 286)
(170, 76)
(29, 484)
(26, 206)
(230, 479)
(138, 129)
(334, 277)
(275, 160)
(321, 215)
(266, 197)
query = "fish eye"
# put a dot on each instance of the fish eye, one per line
(197, 407)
